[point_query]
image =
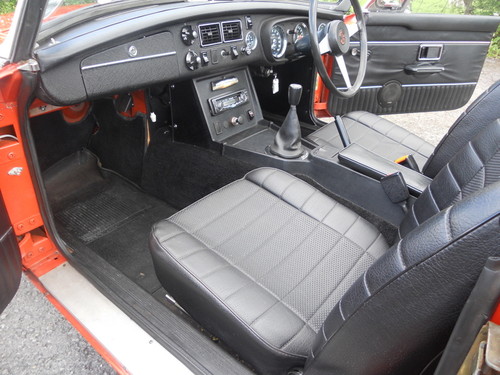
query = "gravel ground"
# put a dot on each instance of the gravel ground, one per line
(36, 339)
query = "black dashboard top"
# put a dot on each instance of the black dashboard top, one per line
(164, 43)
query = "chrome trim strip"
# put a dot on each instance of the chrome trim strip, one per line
(440, 84)
(422, 42)
(366, 87)
(128, 60)
(416, 85)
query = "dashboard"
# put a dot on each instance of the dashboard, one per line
(168, 43)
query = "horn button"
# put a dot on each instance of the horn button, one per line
(338, 37)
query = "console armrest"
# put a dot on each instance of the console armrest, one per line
(366, 162)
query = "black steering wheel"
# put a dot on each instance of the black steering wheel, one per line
(335, 40)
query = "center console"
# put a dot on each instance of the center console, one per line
(233, 116)
(229, 104)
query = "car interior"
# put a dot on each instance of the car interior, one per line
(186, 170)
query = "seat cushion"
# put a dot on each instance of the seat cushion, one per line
(376, 134)
(261, 263)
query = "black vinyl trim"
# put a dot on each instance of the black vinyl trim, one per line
(434, 22)
(170, 331)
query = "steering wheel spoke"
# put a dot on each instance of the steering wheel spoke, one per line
(324, 45)
(336, 41)
(343, 70)
(353, 28)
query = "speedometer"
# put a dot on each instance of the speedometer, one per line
(278, 41)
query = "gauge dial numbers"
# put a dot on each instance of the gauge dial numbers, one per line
(278, 41)
(251, 40)
(300, 32)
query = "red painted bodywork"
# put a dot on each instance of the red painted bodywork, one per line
(6, 19)
(38, 252)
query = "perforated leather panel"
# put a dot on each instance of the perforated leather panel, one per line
(272, 254)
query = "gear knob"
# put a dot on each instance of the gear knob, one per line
(294, 93)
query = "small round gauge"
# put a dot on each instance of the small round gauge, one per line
(251, 40)
(300, 31)
(321, 31)
(278, 41)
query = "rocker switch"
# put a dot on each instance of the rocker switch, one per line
(234, 52)
(204, 58)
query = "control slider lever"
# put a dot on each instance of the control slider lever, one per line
(344, 136)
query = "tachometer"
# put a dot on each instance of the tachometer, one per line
(300, 31)
(278, 41)
(251, 40)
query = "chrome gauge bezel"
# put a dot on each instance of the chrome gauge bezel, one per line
(282, 36)
(296, 31)
(255, 41)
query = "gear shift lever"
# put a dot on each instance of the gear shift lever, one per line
(287, 142)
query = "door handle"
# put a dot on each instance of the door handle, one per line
(424, 68)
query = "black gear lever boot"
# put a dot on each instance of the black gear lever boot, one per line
(287, 143)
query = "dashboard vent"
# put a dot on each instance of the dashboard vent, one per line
(210, 34)
(231, 30)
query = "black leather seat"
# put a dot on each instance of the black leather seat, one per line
(288, 277)
(390, 141)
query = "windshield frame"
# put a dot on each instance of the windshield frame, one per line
(96, 10)
(20, 40)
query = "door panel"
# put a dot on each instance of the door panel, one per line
(10, 259)
(417, 63)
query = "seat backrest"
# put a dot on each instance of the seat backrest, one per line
(480, 113)
(398, 315)
(474, 166)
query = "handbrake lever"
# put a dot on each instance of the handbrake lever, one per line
(344, 136)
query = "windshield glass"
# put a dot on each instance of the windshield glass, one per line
(54, 9)
(57, 8)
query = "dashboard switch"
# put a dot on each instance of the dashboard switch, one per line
(251, 114)
(188, 35)
(248, 21)
(234, 52)
(218, 127)
(215, 56)
(237, 120)
(205, 60)
(192, 60)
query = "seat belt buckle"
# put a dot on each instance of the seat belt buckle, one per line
(408, 161)
(395, 187)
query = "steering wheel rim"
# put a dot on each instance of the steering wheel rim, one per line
(316, 54)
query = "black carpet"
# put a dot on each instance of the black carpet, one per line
(56, 139)
(181, 174)
(107, 213)
(119, 142)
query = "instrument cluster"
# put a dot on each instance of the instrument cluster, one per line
(283, 37)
